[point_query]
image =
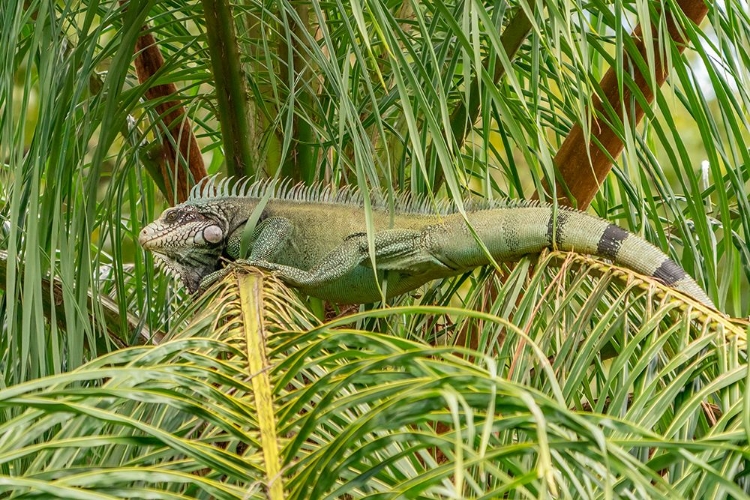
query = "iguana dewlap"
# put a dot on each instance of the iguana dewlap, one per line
(317, 241)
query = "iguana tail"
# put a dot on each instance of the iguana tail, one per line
(510, 233)
(578, 231)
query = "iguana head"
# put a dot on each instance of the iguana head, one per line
(187, 241)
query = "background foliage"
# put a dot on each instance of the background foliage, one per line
(559, 377)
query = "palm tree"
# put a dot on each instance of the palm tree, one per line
(559, 375)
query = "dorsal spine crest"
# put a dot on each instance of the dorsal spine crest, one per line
(212, 188)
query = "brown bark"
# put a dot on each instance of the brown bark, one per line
(147, 62)
(583, 164)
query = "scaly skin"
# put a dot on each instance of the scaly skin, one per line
(317, 242)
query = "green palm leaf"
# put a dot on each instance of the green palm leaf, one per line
(348, 411)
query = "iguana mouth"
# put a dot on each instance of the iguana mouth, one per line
(153, 239)
(145, 237)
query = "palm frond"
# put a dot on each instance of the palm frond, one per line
(358, 412)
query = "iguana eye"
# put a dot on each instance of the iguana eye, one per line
(171, 217)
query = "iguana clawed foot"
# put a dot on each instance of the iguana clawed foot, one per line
(211, 279)
(216, 276)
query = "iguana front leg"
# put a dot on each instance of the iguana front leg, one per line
(268, 238)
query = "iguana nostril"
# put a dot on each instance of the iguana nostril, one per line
(143, 237)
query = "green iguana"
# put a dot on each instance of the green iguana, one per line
(316, 241)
